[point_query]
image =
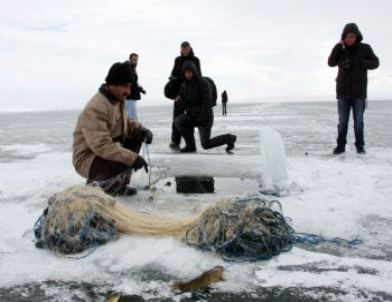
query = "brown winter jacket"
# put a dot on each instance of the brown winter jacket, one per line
(101, 130)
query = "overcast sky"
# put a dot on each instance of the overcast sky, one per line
(55, 54)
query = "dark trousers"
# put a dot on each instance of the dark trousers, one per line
(176, 135)
(358, 106)
(186, 126)
(224, 108)
(103, 170)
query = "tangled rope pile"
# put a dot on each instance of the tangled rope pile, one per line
(249, 229)
(240, 229)
(83, 217)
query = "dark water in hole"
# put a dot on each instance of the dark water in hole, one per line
(195, 184)
(203, 184)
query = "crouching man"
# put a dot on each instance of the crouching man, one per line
(196, 97)
(106, 142)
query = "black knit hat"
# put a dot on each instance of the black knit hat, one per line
(119, 74)
(185, 44)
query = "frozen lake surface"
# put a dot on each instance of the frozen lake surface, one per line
(346, 196)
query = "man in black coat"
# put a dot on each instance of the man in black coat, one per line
(353, 59)
(177, 77)
(224, 102)
(136, 88)
(196, 97)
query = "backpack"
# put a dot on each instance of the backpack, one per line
(213, 90)
(172, 89)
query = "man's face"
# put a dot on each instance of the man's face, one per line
(120, 91)
(185, 51)
(134, 60)
(188, 74)
(350, 39)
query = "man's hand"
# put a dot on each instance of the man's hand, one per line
(140, 163)
(147, 136)
(141, 89)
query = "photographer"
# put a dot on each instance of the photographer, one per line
(196, 97)
(353, 59)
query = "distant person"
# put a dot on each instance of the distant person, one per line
(106, 142)
(177, 76)
(353, 59)
(196, 97)
(224, 103)
(136, 89)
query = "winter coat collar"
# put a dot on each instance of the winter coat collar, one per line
(110, 96)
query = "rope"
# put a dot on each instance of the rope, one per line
(248, 229)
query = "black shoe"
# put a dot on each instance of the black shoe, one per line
(361, 149)
(230, 143)
(188, 149)
(127, 191)
(174, 146)
(339, 150)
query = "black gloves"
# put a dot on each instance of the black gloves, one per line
(147, 136)
(140, 163)
(141, 89)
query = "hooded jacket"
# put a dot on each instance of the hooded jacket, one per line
(353, 63)
(101, 130)
(196, 97)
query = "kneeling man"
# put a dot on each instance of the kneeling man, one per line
(106, 142)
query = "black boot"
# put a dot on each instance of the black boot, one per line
(127, 191)
(361, 149)
(230, 143)
(174, 146)
(339, 150)
(188, 149)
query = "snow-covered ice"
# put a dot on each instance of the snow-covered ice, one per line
(345, 196)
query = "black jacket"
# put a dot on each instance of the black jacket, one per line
(196, 97)
(135, 88)
(353, 63)
(179, 62)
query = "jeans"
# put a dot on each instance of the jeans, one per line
(186, 126)
(344, 106)
(132, 111)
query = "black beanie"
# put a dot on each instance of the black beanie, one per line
(185, 44)
(119, 74)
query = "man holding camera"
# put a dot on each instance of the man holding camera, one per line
(106, 142)
(353, 59)
(196, 97)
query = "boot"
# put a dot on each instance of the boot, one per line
(188, 149)
(230, 143)
(339, 150)
(174, 146)
(361, 149)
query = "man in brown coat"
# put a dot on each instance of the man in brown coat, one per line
(106, 142)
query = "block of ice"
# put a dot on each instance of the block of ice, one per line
(273, 156)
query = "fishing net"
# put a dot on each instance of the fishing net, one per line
(250, 228)
(242, 229)
(84, 216)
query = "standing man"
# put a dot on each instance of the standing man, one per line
(353, 59)
(136, 88)
(196, 97)
(177, 76)
(106, 142)
(224, 102)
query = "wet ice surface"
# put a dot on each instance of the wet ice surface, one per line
(345, 196)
